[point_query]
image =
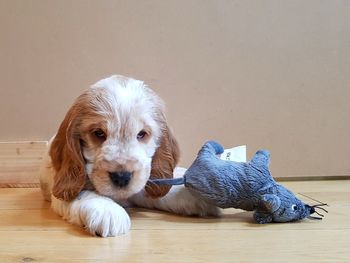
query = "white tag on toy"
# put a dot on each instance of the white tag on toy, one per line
(236, 154)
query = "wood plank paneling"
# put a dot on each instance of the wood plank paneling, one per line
(19, 163)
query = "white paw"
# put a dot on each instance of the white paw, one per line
(103, 217)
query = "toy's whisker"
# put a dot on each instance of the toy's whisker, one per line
(319, 214)
(315, 217)
(318, 206)
(320, 203)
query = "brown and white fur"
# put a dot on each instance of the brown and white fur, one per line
(111, 141)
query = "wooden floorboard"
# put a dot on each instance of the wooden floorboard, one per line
(31, 232)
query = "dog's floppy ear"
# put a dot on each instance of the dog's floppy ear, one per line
(163, 163)
(67, 159)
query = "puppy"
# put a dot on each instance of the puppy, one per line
(112, 140)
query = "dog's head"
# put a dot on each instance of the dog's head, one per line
(114, 136)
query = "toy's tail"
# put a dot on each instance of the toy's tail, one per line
(212, 147)
(168, 181)
(261, 158)
(209, 148)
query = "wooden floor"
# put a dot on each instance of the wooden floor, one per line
(31, 232)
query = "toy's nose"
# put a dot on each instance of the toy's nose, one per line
(311, 209)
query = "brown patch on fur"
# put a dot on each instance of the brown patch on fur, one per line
(163, 163)
(67, 159)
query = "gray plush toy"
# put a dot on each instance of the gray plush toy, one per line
(248, 186)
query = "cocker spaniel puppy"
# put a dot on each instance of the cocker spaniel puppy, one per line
(111, 141)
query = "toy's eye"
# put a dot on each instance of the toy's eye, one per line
(294, 207)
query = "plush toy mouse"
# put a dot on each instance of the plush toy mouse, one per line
(248, 186)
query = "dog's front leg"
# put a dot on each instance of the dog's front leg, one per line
(99, 215)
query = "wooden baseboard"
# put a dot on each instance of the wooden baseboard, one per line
(19, 163)
(312, 178)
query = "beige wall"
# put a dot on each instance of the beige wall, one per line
(271, 74)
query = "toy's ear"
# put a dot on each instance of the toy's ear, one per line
(262, 218)
(271, 202)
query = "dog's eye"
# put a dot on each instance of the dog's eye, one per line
(99, 134)
(294, 207)
(141, 135)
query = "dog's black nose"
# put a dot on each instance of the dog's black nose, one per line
(120, 179)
